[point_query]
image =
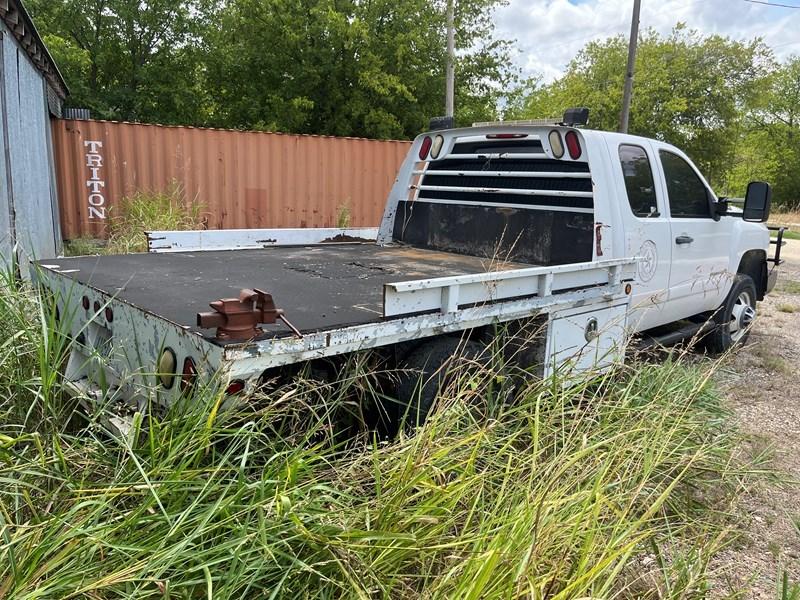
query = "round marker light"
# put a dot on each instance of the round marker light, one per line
(85, 302)
(235, 387)
(556, 145)
(109, 314)
(167, 363)
(436, 147)
(573, 145)
(188, 374)
(425, 147)
(96, 306)
(628, 288)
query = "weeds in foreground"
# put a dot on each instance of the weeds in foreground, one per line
(787, 589)
(609, 488)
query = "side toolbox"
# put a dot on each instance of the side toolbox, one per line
(586, 338)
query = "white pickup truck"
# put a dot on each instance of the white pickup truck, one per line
(591, 235)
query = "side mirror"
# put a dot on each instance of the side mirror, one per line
(720, 208)
(715, 208)
(757, 202)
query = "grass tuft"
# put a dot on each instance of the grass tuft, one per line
(788, 286)
(133, 215)
(142, 211)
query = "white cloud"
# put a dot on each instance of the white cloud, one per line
(549, 33)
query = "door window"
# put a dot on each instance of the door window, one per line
(638, 180)
(688, 195)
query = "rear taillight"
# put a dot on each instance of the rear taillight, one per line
(85, 303)
(573, 145)
(109, 314)
(235, 387)
(556, 145)
(188, 374)
(425, 147)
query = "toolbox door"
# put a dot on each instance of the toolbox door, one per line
(586, 339)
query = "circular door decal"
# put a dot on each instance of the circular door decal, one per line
(648, 261)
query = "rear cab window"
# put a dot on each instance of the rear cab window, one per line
(639, 183)
(688, 195)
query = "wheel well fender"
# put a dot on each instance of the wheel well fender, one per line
(754, 264)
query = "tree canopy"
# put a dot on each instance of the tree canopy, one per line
(375, 68)
(727, 103)
(342, 67)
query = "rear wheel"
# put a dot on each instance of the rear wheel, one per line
(428, 369)
(735, 316)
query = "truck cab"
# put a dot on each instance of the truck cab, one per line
(551, 194)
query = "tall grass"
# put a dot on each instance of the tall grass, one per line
(596, 490)
(131, 216)
(169, 210)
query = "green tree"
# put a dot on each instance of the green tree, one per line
(127, 59)
(690, 90)
(343, 67)
(772, 139)
(370, 68)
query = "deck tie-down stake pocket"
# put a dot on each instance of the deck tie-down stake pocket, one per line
(238, 318)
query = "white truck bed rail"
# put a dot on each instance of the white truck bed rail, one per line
(447, 294)
(243, 239)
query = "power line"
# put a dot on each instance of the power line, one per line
(765, 3)
(611, 29)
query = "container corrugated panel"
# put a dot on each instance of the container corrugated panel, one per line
(241, 179)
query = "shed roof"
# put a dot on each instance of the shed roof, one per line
(19, 22)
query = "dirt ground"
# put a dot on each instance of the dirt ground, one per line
(761, 385)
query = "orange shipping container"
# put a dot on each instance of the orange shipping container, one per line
(242, 179)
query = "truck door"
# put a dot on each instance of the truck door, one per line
(647, 231)
(698, 278)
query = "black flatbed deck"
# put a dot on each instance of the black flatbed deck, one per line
(319, 287)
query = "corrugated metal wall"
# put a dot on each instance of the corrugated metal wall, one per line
(28, 214)
(242, 179)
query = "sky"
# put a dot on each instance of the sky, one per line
(549, 33)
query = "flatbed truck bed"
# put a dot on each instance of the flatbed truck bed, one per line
(339, 284)
(126, 313)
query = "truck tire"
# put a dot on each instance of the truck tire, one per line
(428, 369)
(734, 317)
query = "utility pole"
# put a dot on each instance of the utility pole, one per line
(626, 95)
(451, 57)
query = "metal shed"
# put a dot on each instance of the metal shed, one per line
(31, 90)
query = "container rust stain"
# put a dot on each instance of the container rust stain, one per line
(242, 179)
